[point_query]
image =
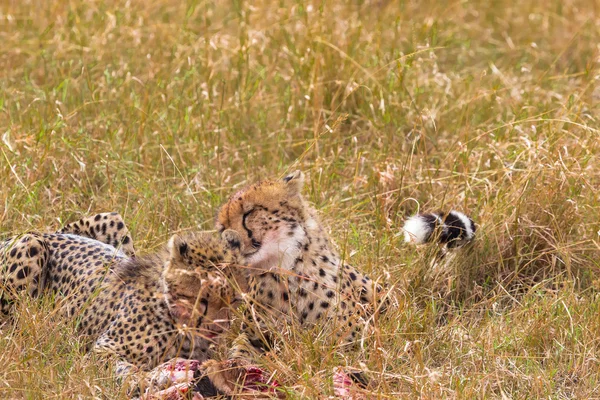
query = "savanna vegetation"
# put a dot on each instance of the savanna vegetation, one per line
(161, 109)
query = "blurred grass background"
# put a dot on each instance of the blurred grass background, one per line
(160, 110)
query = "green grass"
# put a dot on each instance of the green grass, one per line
(160, 110)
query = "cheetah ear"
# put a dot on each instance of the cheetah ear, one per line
(232, 238)
(178, 248)
(294, 182)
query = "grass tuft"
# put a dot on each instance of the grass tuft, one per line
(160, 110)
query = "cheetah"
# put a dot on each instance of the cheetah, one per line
(297, 272)
(144, 309)
(25, 272)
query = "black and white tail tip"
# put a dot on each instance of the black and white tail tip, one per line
(454, 229)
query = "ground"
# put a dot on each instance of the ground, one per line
(161, 110)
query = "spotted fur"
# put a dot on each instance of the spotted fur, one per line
(145, 310)
(298, 274)
(107, 228)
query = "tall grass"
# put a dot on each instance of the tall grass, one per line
(160, 110)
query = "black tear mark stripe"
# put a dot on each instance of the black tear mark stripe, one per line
(256, 208)
(248, 231)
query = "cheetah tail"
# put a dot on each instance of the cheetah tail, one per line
(454, 229)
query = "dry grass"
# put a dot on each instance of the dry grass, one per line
(160, 110)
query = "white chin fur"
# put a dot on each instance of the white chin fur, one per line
(278, 250)
(417, 230)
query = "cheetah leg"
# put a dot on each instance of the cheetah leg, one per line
(243, 349)
(107, 228)
(127, 373)
(22, 267)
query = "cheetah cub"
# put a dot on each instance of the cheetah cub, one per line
(297, 274)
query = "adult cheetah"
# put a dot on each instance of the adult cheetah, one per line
(145, 310)
(298, 274)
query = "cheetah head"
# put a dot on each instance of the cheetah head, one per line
(272, 219)
(200, 279)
